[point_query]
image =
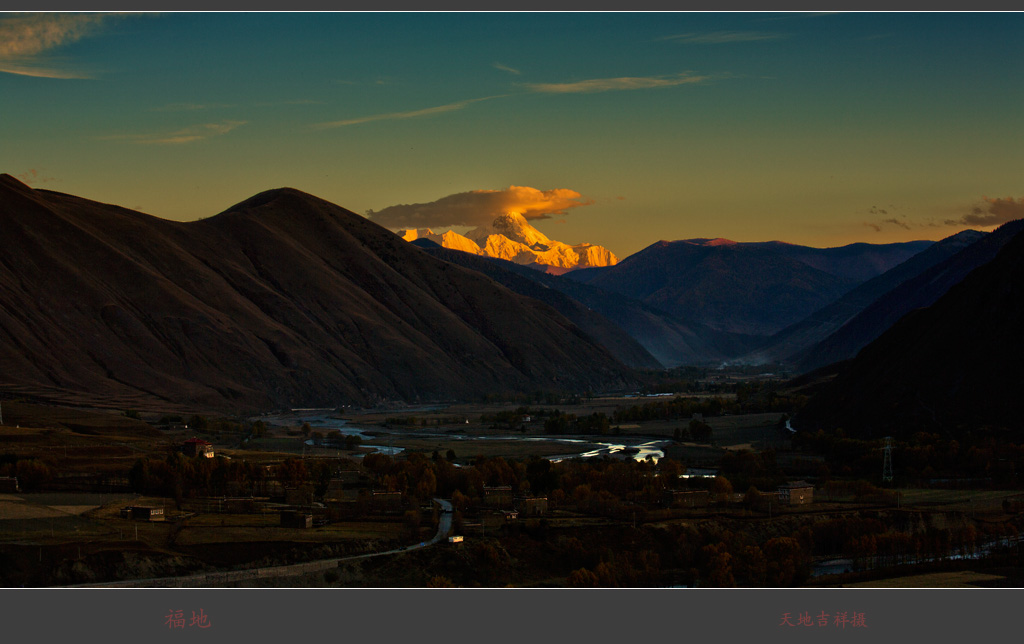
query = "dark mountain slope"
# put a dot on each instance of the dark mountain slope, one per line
(950, 367)
(917, 292)
(282, 300)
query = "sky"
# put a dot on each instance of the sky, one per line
(618, 129)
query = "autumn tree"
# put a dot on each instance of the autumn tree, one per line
(721, 488)
(582, 578)
(718, 565)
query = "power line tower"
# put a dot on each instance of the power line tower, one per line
(887, 461)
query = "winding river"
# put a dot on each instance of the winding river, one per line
(639, 449)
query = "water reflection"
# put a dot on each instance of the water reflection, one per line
(322, 419)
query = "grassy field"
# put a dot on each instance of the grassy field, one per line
(959, 500)
(240, 529)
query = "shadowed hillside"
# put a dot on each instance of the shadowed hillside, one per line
(919, 291)
(953, 366)
(282, 300)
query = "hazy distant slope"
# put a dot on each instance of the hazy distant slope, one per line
(820, 324)
(282, 300)
(952, 366)
(917, 292)
(859, 261)
(671, 340)
(749, 288)
(610, 336)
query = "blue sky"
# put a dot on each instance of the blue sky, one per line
(814, 129)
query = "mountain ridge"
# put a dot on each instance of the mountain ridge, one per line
(283, 299)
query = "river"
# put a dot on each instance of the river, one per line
(323, 419)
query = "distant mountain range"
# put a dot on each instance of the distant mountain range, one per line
(747, 288)
(950, 367)
(684, 301)
(282, 300)
(511, 237)
(798, 343)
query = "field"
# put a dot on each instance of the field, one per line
(956, 500)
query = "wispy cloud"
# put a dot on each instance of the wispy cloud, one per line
(190, 107)
(33, 177)
(430, 111)
(299, 101)
(199, 107)
(616, 84)
(992, 212)
(27, 39)
(723, 37)
(578, 87)
(186, 135)
(506, 68)
(892, 219)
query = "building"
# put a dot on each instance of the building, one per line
(292, 519)
(143, 513)
(796, 493)
(302, 495)
(687, 498)
(9, 484)
(498, 497)
(764, 501)
(197, 447)
(386, 501)
(532, 506)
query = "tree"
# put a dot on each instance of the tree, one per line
(787, 562)
(718, 564)
(700, 431)
(721, 487)
(259, 429)
(412, 522)
(138, 477)
(306, 429)
(32, 473)
(582, 578)
(752, 497)
(438, 581)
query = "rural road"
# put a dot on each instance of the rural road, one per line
(444, 526)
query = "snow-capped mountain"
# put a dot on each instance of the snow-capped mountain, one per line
(511, 237)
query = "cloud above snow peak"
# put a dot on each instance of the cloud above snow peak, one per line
(480, 207)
